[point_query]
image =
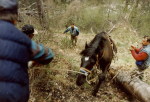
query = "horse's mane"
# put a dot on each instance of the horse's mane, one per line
(92, 47)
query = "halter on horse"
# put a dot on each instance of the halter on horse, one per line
(100, 50)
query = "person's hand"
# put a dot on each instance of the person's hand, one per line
(132, 48)
(33, 63)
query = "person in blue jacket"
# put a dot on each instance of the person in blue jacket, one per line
(74, 31)
(16, 50)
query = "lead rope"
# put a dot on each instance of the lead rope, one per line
(68, 71)
(86, 74)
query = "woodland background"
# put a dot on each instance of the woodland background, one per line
(128, 21)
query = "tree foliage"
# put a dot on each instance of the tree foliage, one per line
(140, 16)
(90, 15)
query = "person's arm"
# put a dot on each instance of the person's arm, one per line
(68, 29)
(139, 56)
(137, 50)
(41, 54)
(77, 30)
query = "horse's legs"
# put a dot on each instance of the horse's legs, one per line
(102, 78)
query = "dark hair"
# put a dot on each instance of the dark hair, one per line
(28, 29)
(145, 36)
(148, 39)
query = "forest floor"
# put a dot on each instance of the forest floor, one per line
(56, 82)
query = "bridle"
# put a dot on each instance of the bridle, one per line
(85, 71)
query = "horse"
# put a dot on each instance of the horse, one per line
(101, 51)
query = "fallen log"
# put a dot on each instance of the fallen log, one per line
(137, 88)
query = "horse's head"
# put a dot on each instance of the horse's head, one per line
(93, 52)
(88, 60)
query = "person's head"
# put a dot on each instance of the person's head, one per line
(29, 30)
(9, 10)
(146, 40)
(72, 26)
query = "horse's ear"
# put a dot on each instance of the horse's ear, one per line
(86, 45)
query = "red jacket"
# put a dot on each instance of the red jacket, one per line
(139, 56)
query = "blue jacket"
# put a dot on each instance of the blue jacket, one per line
(74, 32)
(14, 55)
(16, 49)
(146, 63)
(146, 49)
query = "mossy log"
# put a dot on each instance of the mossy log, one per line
(139, 89)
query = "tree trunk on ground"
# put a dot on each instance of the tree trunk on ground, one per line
(136, 87)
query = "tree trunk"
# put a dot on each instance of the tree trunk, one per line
(40, 11)
(136, 87)
(42, 15)
(137, 3)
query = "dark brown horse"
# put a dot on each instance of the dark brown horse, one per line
(100, 50)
